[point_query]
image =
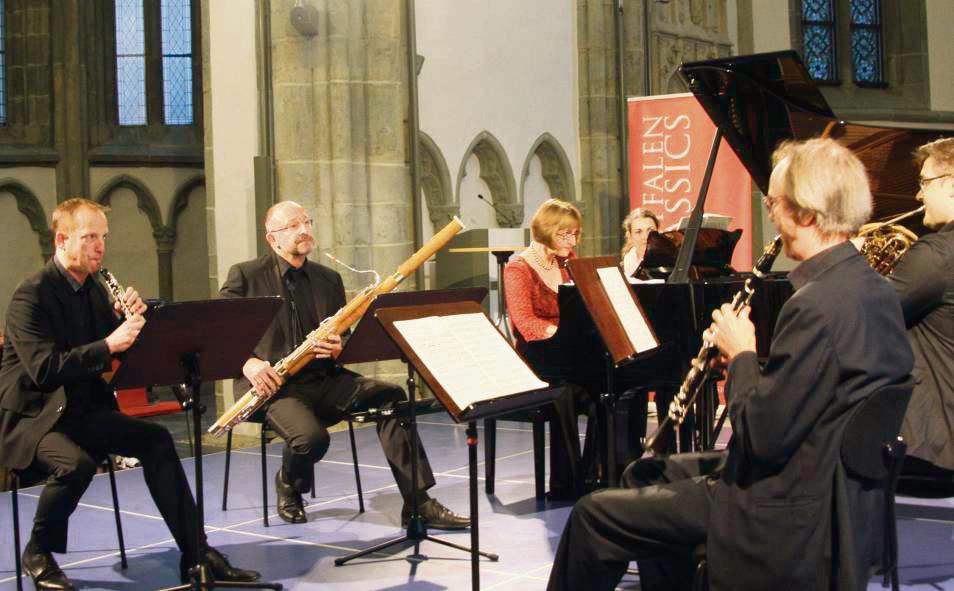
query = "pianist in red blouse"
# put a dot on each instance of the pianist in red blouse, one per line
(531, 282)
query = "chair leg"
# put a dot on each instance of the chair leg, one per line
(188, 425)
(700, 580)
(264, 479)
(891, 562)
(314, 481)
(490, 454)
(16, 529)
(228, 461)
(539, 458)
(357, 472)
(119, 521)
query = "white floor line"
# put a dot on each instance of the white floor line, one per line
(268, 455)
(100, 557)
(110, 509)
(479, 427)
(519, 576)
(315, 504)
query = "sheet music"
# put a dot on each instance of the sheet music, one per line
(632, 319)
(468, 357)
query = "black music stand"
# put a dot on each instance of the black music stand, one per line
(486, 408)
(190, 342)
(371, 342)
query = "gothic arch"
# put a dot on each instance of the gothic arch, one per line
(147, 203)
(144, 199)
(181, 201)
(32, 210)
(555, 168)
(495, 170)
(435, 182)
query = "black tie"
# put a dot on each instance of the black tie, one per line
(292, 276)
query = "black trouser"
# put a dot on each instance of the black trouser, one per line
(302, 417)
(658, 523)
(67, 454)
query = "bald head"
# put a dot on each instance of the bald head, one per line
(281, 213)
(288, 232)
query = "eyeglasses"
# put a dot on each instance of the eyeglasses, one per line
(923, 182)
(294, 226)
(567, 234)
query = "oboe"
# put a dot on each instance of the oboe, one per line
(700, 368)
(118, 293)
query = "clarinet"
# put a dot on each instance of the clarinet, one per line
(700, 369)
(117, 291)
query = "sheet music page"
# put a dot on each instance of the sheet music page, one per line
(635, 325)
(470, 359)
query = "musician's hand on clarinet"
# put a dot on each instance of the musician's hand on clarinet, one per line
(125, 335)
(731, 331)
(133, 301)
(330, 346)
(262, 376)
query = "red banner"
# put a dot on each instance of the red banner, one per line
(669, 141)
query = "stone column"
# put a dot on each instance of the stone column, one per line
(165, 245)
(340, 105)
(601, 177)
(70, 117)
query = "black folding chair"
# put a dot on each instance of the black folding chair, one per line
(872, 450)
(14, 498)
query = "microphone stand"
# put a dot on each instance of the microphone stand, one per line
(500, 212)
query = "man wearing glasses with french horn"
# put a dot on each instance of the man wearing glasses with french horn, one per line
(924, 280)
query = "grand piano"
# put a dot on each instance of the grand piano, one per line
(756, 102)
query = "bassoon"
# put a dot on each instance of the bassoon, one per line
(338, 323)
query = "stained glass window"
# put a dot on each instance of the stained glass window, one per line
(818, 39)
(3, 64)
(130, 62)
(177, 61)
(866, 48)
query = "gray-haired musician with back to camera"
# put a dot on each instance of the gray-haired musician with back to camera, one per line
(781, 512)
(57, 413)
(320, 395)
(924, 280)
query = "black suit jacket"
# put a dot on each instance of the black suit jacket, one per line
(924, 280)
(38, 361)
(262, 277)
(787, 514)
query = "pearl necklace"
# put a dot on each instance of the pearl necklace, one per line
(540, 261)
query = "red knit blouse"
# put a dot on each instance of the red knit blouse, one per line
(532, 305)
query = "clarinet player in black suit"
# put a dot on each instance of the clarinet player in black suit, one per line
(781, 512)
(57, 412)
(322, 393)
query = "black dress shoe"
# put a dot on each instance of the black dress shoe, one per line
(219, 568)
(44, 571)
(436, 516)
(291, 508)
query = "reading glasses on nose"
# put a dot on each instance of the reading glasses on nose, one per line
(294, 226)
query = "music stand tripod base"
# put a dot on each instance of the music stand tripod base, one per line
(416, 530)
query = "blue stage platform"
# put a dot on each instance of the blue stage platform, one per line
(513, 524)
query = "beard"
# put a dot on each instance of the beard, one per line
(303, 246)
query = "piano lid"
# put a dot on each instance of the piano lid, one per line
(762, 100)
